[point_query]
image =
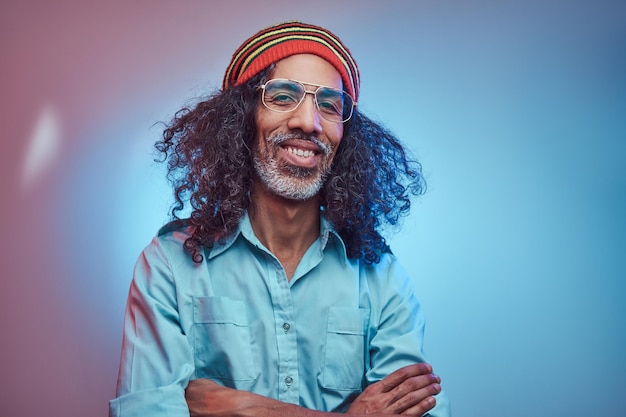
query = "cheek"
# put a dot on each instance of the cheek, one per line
(336, 136)
(267, 121)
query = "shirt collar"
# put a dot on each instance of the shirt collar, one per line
(328, 234)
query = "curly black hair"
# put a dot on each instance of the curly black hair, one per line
(209, 154)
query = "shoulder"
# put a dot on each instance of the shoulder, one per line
(169, 241)
(388, 275)
(179, 225)
(175, 232)
(387, 265)
(165, 258)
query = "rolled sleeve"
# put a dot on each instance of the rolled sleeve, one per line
(156, 362)
(398, 339)
(159, 402)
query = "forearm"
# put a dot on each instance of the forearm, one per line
(269, 407)
(205, 398)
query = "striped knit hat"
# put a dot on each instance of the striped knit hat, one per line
(277, 42)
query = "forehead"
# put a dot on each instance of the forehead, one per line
(308, 68)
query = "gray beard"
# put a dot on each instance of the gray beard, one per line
(289, 181)
(298, 184)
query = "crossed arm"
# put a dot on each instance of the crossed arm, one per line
(408, 391)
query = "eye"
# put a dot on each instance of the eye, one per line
(283, 94)
(281, 97)
(330, 107)
(330, 101)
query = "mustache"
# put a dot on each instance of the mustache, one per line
(279, 138)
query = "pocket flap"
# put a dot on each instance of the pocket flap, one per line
(347, 320)
(219, 310)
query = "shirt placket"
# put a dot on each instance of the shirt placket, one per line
(286, 340)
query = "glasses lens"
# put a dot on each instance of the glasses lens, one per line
(282, 95)
(285, 95)
(334, 105)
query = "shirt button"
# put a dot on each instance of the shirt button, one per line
(289, 381)
(286, 327)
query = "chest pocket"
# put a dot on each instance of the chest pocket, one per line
(221, 340)
(344, 360)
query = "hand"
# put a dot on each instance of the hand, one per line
(408, 391)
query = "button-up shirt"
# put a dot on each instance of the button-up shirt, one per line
(316, 340)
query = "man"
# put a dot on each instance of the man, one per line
(278, 295)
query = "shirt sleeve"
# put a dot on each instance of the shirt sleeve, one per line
(156, 362)
(398, 339)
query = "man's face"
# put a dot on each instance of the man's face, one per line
(294, 150)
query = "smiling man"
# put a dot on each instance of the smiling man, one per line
(278, 296)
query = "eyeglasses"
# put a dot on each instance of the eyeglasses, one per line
(282, 95)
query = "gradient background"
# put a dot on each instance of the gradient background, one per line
(517, 111)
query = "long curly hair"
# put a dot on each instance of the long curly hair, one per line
(209, 153)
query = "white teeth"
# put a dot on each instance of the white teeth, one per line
(300, 152)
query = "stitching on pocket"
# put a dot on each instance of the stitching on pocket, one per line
(344, 365)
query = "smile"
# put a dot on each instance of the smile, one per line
(303, 153)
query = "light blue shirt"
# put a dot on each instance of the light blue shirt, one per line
(317, 340)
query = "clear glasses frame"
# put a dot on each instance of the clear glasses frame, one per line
(289, 104)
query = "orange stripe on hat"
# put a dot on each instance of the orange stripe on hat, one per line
(277, 42)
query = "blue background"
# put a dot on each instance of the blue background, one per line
(517, 111)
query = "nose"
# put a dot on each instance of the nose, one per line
(306, 117)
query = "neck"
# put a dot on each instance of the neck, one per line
(287, 228)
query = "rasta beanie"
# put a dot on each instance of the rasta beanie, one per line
(277, 42)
